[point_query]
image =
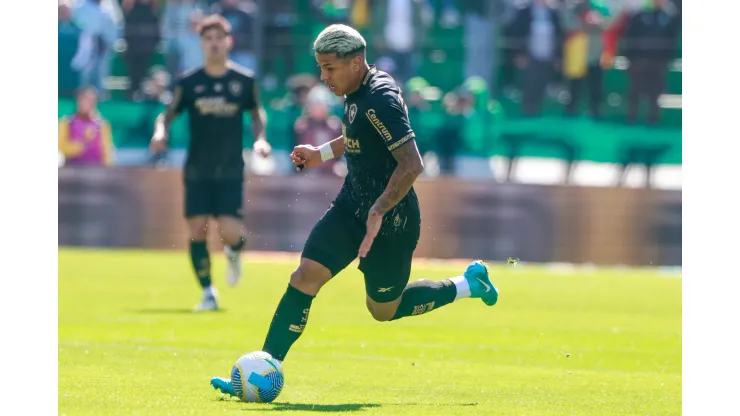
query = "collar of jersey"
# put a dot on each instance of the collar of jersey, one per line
(365, 82)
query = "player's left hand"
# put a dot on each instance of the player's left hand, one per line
(262, 147)
(374, 220)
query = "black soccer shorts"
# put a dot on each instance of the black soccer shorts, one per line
(214, 197)
(335, 241)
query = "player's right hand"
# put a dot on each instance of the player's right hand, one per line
(306, 155)
(158, 144)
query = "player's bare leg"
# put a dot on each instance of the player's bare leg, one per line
(232, 234)
(382, 311)
(291, 315)
(201, 261)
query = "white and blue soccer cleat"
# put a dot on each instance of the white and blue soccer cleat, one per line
(480, 283)
(209, 302)
(233, 266)
(223, 385)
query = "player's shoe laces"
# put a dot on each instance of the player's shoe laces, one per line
(233, 266)
(223, 385)
(480, 284)
(209, 302)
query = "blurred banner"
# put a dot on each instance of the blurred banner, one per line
(143, 208)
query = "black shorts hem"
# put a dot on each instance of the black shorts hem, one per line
(214, 198)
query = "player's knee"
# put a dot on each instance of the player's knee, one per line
(231, 230)
(382, 312)
(382, 316)
(308, 280)
(198, 229)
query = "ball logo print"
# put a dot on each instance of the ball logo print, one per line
(257, 377)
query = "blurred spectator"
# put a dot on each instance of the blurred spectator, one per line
(480, 115)
(649, 42)
(154, 93)
(450, 15)
(85, 138)
(482, 21)
(99, 34)
(450, 137)
(585, 25)
(178, 35)
(240, 15)
(191, 53)
(142, 37)
(399, 34)
(300, 86)
(280, 18)
(69, 41)
(537, 39)
(467, 124)
(360, 14)
(154, 87)
(317, 126)
(418, 107)
(328, 12)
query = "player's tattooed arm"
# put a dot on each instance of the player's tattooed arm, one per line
(410, 166)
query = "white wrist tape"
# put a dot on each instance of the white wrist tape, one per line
(326, 151)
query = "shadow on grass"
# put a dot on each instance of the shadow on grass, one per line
(174, 311)
(346, 407)
(306, 407)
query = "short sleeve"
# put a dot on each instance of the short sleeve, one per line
(179, 101)
(388, 116)
(251, 96)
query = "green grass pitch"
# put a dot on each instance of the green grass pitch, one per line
(567, 343)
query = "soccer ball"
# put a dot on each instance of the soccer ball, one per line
(257, 377)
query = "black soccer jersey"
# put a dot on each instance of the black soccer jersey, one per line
(375, 122)
(216, 108)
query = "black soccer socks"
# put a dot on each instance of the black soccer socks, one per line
(424, 295)
(238, 246)
(201, 262)
(288, 323)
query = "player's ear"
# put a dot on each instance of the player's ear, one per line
(356, 63)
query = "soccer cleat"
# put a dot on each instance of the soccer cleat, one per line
(233, 266)
(223, 385)
(480, 284)
(209, 302)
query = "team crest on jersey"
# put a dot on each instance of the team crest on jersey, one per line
(235, 87)
(218, 87)
(352, 113)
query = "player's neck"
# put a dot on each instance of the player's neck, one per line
(216, 68)
(85, 116)
(363, 72)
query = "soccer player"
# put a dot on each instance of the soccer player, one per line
(376, 214)
(215, 96)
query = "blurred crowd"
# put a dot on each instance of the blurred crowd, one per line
(527, 49)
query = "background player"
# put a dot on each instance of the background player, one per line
(215, 96)
(376, 214)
